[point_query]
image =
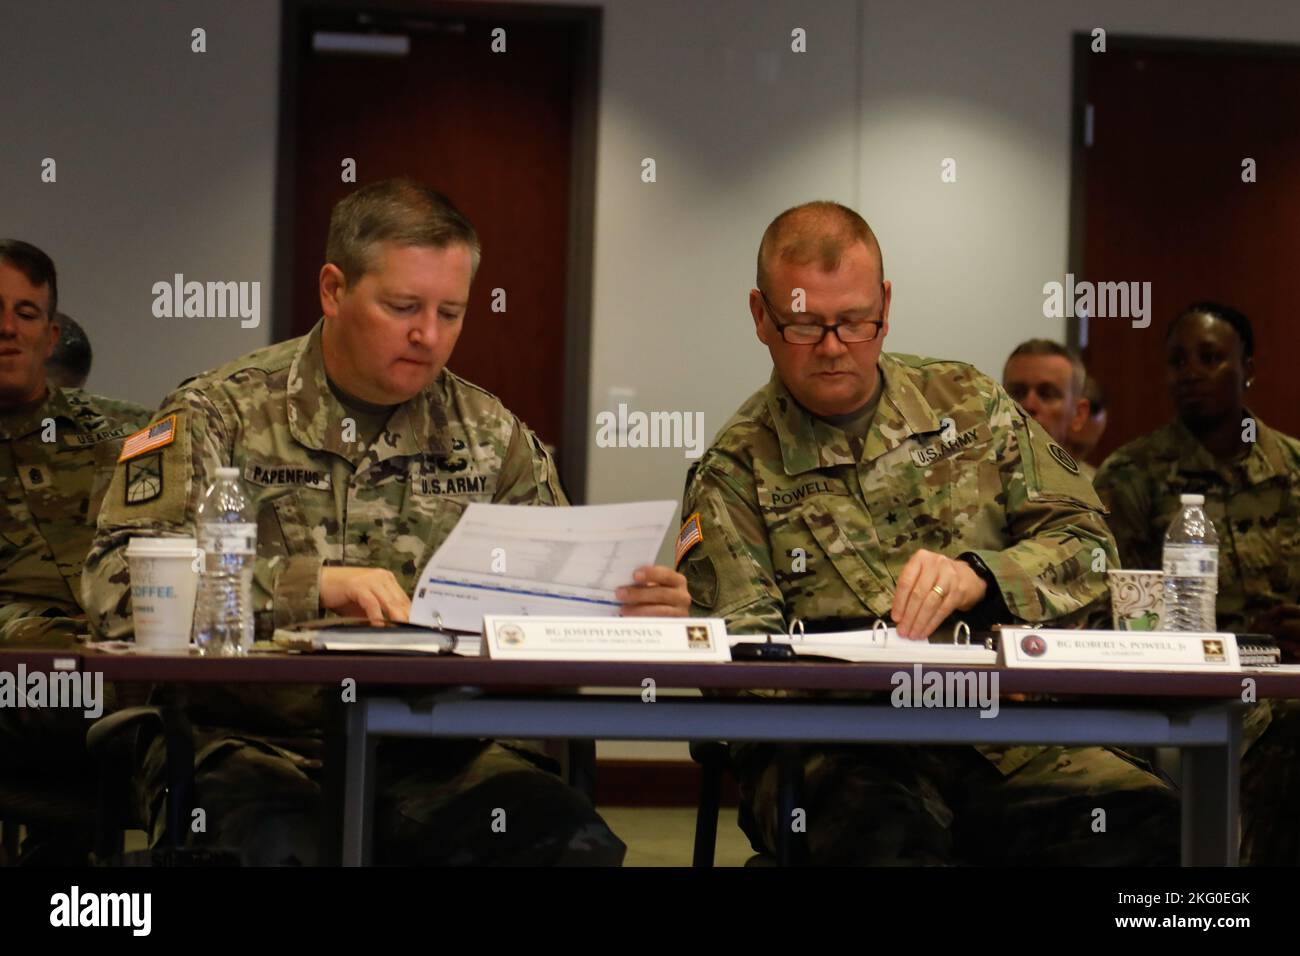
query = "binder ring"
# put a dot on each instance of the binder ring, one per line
(797, 622)
(957, 630)
(880, 627)
(441, 626)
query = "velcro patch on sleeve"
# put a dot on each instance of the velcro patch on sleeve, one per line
(144, 479)
(688, 537)
(151, 437)
(154, 483)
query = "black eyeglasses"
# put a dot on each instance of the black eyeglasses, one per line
(809, 333)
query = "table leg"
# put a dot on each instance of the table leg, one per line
(1211, 785)
(358, 786)
(791, 844)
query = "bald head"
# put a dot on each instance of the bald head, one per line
(815, 232)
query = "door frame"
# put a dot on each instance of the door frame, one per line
(588, 21)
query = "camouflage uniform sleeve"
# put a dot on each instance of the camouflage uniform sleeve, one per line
(528, 475)
(134, 507)
(160, 511)
(39, 625)
(730, 572)
(1054, 570)
(1125, 490)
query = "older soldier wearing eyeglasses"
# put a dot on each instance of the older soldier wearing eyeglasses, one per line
(858, 485)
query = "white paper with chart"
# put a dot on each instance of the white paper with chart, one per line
(508, 559)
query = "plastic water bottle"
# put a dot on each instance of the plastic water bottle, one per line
(223, 614)
(1191, 566)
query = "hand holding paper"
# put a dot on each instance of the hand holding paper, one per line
(658, 592)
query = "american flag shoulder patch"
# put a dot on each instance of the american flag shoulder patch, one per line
(688, 537)
(158, 435)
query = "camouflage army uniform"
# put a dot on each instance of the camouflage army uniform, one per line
(1255, 506)
(321, 498)
(52, 492)
(802, 521)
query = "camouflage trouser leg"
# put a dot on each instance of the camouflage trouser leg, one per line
(1046, 813)
(1270, 785)
(251, 797)
(490, 805)
(925, 805)
(864, 806)
(437, 803)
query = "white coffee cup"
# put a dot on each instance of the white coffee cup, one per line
(164, 577)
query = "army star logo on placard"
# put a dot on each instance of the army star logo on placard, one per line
(144, 479)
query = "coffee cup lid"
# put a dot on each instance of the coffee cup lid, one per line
(161, 547)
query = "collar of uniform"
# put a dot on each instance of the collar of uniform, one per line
(903, 411)
(808, 442)
(56, 406)
(1262, 463)
(315, 415)
(1265, 460)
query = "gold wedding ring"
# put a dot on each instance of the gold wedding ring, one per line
(938, 590)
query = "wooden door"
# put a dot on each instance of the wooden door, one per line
(1165, 202)
(492, 130)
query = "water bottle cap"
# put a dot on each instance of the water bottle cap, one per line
(226, 471)
(1192, 499)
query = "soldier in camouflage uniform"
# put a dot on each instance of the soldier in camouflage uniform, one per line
(57, 449)
(1250, 477)
(359, 452)
(59, 446)
(923, 499)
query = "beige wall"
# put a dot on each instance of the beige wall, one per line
(166, 162)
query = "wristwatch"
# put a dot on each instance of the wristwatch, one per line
(992, 609)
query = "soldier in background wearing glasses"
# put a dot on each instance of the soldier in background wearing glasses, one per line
(858, 485)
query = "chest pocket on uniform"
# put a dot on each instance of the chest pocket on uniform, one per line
(284, 526)
(58, 497)
(417, 532)
(874, 590)
(956, 501)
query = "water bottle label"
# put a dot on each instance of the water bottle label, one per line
(1191, 563)
(230, 538)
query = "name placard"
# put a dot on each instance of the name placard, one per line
(518, 638)
(1118, 650)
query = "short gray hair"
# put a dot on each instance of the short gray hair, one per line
(401, 211)
(1079, 374)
